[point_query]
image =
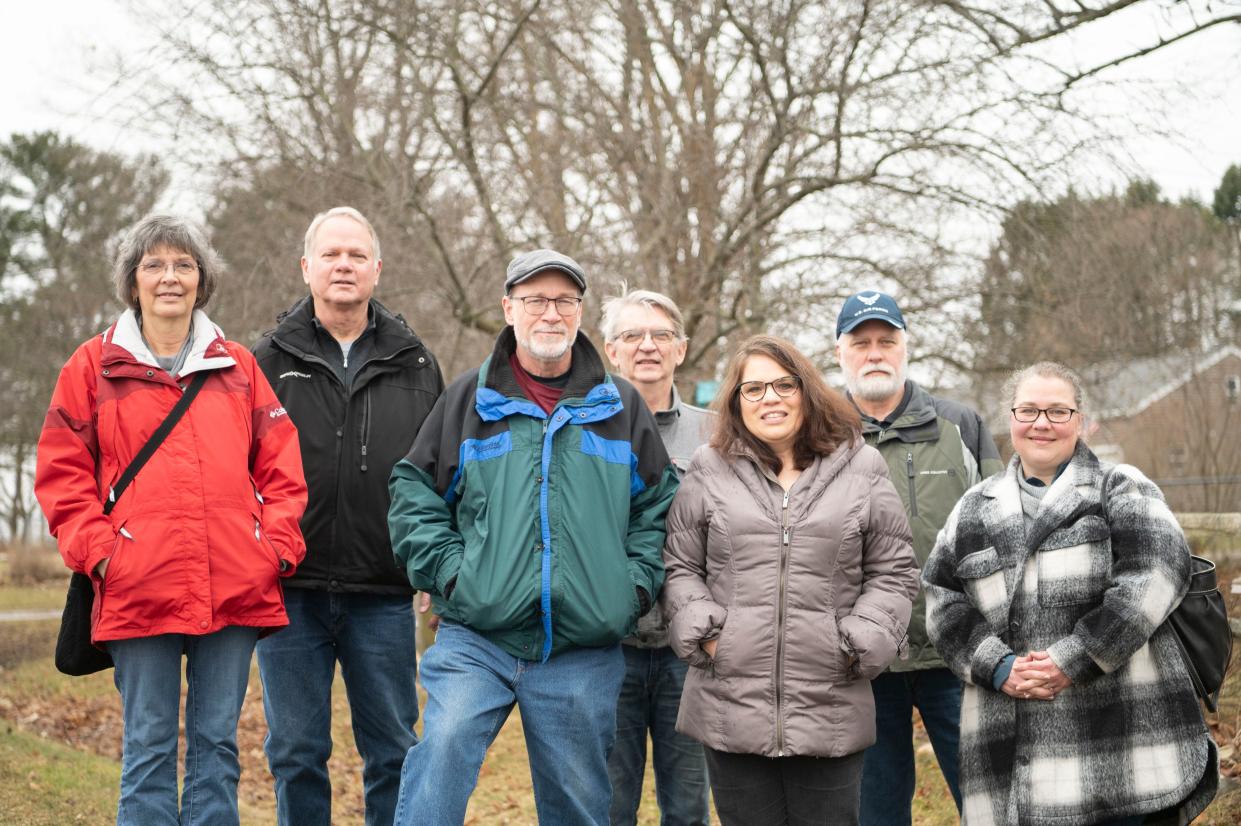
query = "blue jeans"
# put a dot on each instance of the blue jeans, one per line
(649, 700)
(568, 711)
(888, 768)
(372, 636)
(148, 675)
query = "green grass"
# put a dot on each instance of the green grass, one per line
(46, 783)
(45, 596)
(60, 744)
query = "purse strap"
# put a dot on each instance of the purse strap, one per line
(153, 443)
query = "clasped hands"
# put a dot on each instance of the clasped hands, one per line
(1035, 677)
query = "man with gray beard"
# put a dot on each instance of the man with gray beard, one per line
(935, 450)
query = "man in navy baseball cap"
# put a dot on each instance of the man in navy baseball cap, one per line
(938, 448)
(866, 305)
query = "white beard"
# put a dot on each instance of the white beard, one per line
(875, 386)
(546, 351)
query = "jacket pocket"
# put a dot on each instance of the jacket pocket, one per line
(983, 579)
(1075, 563)
(261, 537)
(119, 546)
(720, 663)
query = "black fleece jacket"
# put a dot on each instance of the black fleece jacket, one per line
(351, 436)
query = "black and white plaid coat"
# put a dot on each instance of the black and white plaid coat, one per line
(1127, 736)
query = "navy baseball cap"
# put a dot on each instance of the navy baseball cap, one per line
(866, 305)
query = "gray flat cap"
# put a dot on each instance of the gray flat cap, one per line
(535, 261)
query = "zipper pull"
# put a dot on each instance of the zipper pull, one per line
(257, 535)
(786, 536)
(909, 463)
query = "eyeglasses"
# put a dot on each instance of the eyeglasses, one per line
(157, 267)
(1055, 415)
(660, 337)
(756, 391)
(537, 304)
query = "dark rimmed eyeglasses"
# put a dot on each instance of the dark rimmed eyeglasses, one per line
(1056, 415)
(537, 304)
(755, 391)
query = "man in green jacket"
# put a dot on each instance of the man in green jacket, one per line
(531, 508)
(935, 450)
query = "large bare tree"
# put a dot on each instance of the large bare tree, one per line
(755, 160)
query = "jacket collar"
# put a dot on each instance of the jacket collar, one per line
(1075, 491)
(918, 422)
(498, 390)
(296, 330)
(123, 345)
(807, 489)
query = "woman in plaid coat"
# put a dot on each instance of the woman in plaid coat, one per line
(1047, 594)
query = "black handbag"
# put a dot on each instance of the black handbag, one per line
(1203, 633)
(76, 655)
(1200, 626)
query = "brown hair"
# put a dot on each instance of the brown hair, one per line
(828, 418)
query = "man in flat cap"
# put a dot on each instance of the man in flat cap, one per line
(531, 508)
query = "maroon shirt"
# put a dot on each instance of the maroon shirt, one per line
(544, 395)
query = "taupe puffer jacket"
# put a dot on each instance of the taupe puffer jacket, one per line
(809, 594)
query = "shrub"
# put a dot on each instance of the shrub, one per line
(32, 564)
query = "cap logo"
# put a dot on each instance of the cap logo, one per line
(868, 299)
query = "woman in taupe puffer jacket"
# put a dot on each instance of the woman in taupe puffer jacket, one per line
(790, 578)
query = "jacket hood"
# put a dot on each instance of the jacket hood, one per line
(123, 343)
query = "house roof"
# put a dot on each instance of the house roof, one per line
(1127, 387)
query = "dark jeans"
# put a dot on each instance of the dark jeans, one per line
(372, 636)
(888, 773)
(751, 790)
(649, 699)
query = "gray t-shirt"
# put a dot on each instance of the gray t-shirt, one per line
(683, 429)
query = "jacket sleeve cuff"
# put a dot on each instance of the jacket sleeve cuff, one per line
(97, 554)
(446, 573)
(693, 623)
(987, 657)
(1070, 656)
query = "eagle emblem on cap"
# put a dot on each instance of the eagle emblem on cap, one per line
(868, 299)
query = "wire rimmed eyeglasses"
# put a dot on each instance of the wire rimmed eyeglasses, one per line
(755, 391)
(1028, 414)
(537, 304)
(659, 336)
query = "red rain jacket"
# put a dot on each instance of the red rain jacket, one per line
(195, 542)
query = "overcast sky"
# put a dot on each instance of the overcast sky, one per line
(52, 76)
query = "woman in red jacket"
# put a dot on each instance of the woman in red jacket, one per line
(188, 561)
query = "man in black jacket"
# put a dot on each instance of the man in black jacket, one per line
(358, 383)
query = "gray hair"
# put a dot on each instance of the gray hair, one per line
(1047, 370)
(334, 212)
(613, 307)
(153, 232)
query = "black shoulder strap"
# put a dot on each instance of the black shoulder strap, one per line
(157, 438)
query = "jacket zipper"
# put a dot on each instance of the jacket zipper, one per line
(909, 471)
(780, 619)
(341, 501)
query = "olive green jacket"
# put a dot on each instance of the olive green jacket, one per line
(935, 450)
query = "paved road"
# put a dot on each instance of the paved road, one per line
(27, 616)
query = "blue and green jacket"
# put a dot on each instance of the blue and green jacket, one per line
(545, 524)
